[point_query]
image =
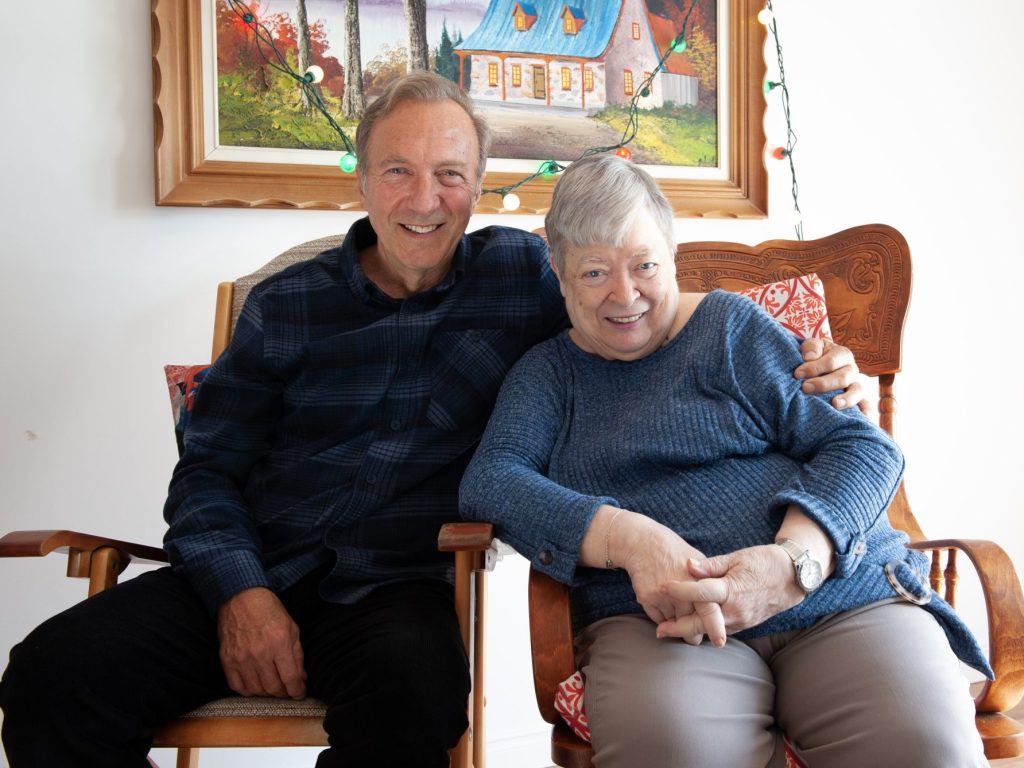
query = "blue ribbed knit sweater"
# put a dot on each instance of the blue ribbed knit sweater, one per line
(709, 435)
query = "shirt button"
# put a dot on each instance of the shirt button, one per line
(395, 425)
(545, 557)
(371, 480)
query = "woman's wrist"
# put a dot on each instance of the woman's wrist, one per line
(800, 528)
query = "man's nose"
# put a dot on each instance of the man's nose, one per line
(423, 196)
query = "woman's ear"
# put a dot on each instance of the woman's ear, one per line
(554, 268)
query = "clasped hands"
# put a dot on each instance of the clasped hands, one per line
(690, 596)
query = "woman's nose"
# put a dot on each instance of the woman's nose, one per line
(624, 289)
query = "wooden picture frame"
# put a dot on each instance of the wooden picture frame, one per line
(186, 176)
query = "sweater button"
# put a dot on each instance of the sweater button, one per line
(544, 557)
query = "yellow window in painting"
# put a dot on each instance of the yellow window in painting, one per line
(588, 79)
(627, 81)
(492, 74)
(517, 75)
(566, 79)
(568, 26)
(636, 30)
(520, 22)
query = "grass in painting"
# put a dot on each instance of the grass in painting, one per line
(676, 135)
(250, 117)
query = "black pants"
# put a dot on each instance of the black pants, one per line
(86, 687)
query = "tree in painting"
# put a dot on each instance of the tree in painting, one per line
(305, 53)
(352, 103)
(445, 62)
(416, 21)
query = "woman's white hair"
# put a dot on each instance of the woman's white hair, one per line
(595, 203)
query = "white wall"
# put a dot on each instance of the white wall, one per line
(906, 114)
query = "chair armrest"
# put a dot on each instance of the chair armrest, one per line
(1004, 602)
(551, 640)
(99, 559)
(465, 537)
(39, 543)
(471, 538)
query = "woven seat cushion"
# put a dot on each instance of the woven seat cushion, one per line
(260, 706)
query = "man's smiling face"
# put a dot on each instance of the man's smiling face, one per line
(419, 184)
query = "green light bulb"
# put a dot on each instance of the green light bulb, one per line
(348, 162)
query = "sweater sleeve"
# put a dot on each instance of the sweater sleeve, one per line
(849, 468)
(212, 536)
(506, 483)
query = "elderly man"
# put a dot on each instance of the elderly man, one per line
(326, 448)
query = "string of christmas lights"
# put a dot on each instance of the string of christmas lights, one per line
(767, 17)
(263, 40)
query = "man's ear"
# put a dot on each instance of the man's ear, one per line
(359, 186)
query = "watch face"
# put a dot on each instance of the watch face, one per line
(809, 574)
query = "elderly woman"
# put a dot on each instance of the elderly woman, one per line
(660, 458)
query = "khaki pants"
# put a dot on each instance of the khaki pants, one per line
(877, 686)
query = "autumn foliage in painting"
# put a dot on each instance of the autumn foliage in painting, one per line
(238, 55)
(260, 105)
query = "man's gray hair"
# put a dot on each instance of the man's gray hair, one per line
(595, 203)
(422, 86)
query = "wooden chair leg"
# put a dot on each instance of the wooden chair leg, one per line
(187, 758)
(479, 670)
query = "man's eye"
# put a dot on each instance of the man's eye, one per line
(450, 178)
(648, 266)
(395, 171)
(592, 274)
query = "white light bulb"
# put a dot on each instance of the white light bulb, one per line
(764, 16)
(314, 74)
(510, 201)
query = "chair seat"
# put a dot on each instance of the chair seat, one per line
(260, 706)
(247, 721)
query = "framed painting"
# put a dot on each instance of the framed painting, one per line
(218, 143)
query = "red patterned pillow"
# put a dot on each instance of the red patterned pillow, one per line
(182, 385)
(569, 704)
(798, 304)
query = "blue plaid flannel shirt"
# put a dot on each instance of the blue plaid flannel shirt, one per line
(337, 424)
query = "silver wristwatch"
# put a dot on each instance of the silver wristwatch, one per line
(808, 570)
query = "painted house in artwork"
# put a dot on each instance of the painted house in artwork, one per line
(586, 54)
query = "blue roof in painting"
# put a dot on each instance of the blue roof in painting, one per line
(496, 31)
(528, 8)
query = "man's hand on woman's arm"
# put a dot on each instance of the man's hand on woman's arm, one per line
(829, 366)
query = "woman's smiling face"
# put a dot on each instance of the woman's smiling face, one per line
(622, 300)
